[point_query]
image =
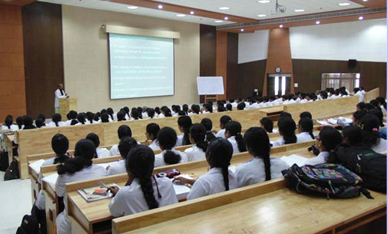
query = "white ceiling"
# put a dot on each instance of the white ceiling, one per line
(242, 8)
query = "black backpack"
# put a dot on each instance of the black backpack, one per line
(369, 165)
(4, 161)
(12, 171)
(30, 225)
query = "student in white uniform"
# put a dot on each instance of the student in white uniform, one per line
(125, 145)
(100, 152)
(167, 141)
(305, 129)
(267, 124)
(326, 141)
(151, 113)
(56, 121)
(262, 167)
(184, 125)
(143, 191)
(81, 118)
(208, 124)
(223, 121)
(123, 131)
(382, 104)
(8, 124)
(59, 94)
(287, 129)
(233, 134)
(219, 178)
(197, 137)
(370, 131)
(152, 131)
(72, 115)
(79, 168)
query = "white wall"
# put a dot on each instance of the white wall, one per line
(253, 46)
(362, 40)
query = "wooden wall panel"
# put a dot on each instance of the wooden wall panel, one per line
(308, 73)
(251, 76)
(222, 60)
(207, 52)
(43, 44)
(12, 81)
(233, 75)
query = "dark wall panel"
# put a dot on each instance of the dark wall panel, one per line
(308, 73)
(251, 76)
(43, 55)
(207, 63)
(232, 66)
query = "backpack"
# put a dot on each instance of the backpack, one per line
(369, 165)
(12, 171)
(331, 180)
(30, 225)
(4, 163)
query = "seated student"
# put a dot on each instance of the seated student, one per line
(70, 116)
(326, 141)
(135, 115)
(197, 137)
(39, 123)
(111, 114)
(382, 104)
(379, 114)
(28, 123)
(175, 110)
(151, 113)
(100, 152)
(285, 114)
(125, 145)
(184, 125)
(74, 122)
(140, 110)
(81, 117)
(219, 178)
(157, 112)
(233, 134)
(229, 107)
(90, 117)
(185, 108)
(122, 131)
(305, 129)
(56, 121)
(223, 121)
(144, 113)
(152, 131)
(60, 145)
(262, 167)
(166, 112)
(370, 133)
(207, 108)
(267, 124)
(167, 140)
(80, 167)
(361, 106)
(208, 124)
(305, 114)
(241, 106)
(8, 124)
(195, 110)
(287, 129)
(181, 113)
(357, 116)
(120, 116)
(143, 191)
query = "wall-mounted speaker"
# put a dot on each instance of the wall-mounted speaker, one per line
(352, 62)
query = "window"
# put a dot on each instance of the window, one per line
(337, 80)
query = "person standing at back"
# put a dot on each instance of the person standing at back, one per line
(59, 94)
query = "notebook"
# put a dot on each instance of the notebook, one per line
(51, 179)
(96, 193)
(292, 159)
(36, 165)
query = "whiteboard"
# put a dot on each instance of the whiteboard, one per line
(210, 85)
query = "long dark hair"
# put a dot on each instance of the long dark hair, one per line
(234, 129)
(198, 134)
(140, 165)
(353, 134)
(125, 145)
(225, 120)
(124, 131)
(85, 151)
(287, 129)
(8, 121)
(267, 124)
(95, 139)
(60, 145)
(208, 124)
(81, 118)
(382, 101)
(370, 130)
(153, 129)
(218, 154)
(167, 140)
(110, 112)
(57, 118)
(258, 144)
(20, 122)
(307, 125)
(185, 123)
(331, 138)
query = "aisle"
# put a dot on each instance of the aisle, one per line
(15, 202)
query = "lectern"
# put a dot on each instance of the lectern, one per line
(66, 105)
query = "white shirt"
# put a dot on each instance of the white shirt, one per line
(221, 133)
(161, 115)
(195, 154)
(114, 151)
(279, 142)
(233, 141)
(154, 145)
(381, 147)
(13, 127)
(159, 158)
(53, 125)
(303, 137)
(253, 106)
(211, 183)
(102, 152)
(58, 96)
(321, 158)
(179, 140)
(116, 168)
(130, 199)
(253, 171)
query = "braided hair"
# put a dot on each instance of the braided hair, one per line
(85, 151)
(140, 165)
(198, 134)
(208, 124)
(234, 129)
(60, 145)
(287, 129)
(218, 154)
(306, 124)
(56, 119)
(185, 123)
(167, 140)
(259, 146)
(95, 139)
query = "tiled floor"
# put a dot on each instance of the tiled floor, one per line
(15, 202)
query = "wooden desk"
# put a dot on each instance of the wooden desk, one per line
(273, 112)
(94, 218)
(9, 142)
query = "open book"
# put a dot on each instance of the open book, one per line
(292, 159)
(96, 193)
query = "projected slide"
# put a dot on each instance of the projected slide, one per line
(141, 66)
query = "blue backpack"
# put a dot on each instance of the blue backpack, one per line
(331, 180)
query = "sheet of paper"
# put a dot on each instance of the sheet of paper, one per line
(292, 159)
(323, 122)
(36, 165)
(51, 179)
(332, 121)
(181, 191)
